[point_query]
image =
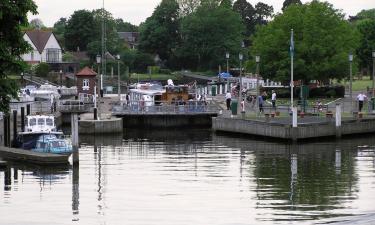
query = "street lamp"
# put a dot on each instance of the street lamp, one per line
(118, 77)
(351, 80)
(98, 61)
(61, 72)
(240, 57)
(257, 60)
(22, 78)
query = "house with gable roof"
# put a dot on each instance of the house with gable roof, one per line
(45, 47)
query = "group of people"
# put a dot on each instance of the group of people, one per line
(261, 99)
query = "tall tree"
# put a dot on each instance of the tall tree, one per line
(125, 26)
(36, 23)
(59, 30)
(247, 12)
(323, 39)
(290, 2)
(160, 33)
(13, 15)
(188, 6)
(80, 30)
(365, 24)
(263, 12)
(207, 34)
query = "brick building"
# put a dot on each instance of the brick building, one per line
(86, 81)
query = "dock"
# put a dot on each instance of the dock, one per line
(32, 157)
(282, 129)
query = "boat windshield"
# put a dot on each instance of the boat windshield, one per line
(49, 122)
(32, 122)
(40, 121)
(57, 144)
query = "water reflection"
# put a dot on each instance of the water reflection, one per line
(199, 177)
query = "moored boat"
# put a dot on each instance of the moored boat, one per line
(50, 143)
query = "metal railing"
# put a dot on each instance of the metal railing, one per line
(139, 107)
(73, 106)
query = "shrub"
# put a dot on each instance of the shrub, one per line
(42, 69)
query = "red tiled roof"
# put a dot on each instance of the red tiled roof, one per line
(39, 38)
(86, 72)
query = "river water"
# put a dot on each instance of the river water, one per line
(196, 177)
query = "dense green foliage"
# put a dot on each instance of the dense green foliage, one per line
(290, 2)
(322, 39)
(13, 15)
(365, 24)
(42, 69)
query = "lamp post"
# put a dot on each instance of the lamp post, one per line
(98, 61)
(257, 60)
(227, 57)
(61, 72)
(351, 81)
(118, 77)
(240, 57)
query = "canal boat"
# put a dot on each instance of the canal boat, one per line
(36, 125)
(50, 143)
(45, 92)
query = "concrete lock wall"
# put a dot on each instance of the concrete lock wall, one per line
(358, 126)
(167, 120)
(100, 126)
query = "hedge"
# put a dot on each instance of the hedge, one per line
(315, 92)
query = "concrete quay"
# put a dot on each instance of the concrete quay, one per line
(106, 125)
(282, 128)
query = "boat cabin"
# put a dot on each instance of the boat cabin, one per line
(174, 94)
(40, 123)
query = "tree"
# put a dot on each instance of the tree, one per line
(80, 30)
(290, 2)
(365, 24)
(263, 12)
(36, 23)
(59, 30)
(13, 15)
(207, 34)
(188, 6)
(247, 12)
(160, 34)
(323, 39)
(125, 26)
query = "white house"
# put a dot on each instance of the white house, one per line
(45, 47)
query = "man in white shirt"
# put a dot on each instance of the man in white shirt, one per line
(361, 98)
(228, 98)
(273, 99)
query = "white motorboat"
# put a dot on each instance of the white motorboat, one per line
(45, 91)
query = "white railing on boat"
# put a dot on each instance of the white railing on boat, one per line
(139, 107)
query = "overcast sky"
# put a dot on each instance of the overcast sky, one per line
(136, 11)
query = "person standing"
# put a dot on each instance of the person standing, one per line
(361, 98)
(273, 99)
(243, 105)
(228, 99)
(260, 103)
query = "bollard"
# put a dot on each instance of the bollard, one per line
(95, 114)
(28, 109)
(14, 126)
(22, 119)
(74, 125)
(338, 120)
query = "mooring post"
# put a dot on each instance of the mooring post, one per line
(14, 125)
(28, 109)
(8, 130)
(338, 120)
(5, 127)
(75, 190)
(74, 125)
(22, 119)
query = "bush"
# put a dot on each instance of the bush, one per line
(319, 92)
(165, 71)
(42, 69)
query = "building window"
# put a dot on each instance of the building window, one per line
(53, 55)
(86, 84)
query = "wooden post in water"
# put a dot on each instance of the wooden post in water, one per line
(5, 127)
(338, 121)
(74, 125)
(14, 125)
(22, 119)
(8, 130)
(75, 191)
(28, 109)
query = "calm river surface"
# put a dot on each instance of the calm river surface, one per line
(196, 177)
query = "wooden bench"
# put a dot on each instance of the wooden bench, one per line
(329, 114)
